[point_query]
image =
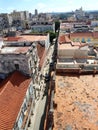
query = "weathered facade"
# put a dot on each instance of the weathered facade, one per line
(24, 59)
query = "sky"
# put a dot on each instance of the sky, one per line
(7, 6)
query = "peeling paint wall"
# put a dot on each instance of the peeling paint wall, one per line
(11, 62)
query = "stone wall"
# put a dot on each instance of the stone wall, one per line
(12, 62)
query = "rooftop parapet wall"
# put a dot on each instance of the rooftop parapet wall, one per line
(72, 53)
(77, 68)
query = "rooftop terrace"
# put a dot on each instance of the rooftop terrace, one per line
(77, 103)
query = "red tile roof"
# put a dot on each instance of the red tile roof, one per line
(64, 39)
(11, 99)
(41, 53)
(29, 38)
(12, 38)
(86, 34)
(32, 38)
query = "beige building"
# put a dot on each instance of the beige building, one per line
(20, 16)
(75, 56)
(17, 15)
(4, 21)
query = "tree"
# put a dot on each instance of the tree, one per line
(57, 25)
(52, 36)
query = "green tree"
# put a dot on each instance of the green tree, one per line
(52, 36)
(57, 25)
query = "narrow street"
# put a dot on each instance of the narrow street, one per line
(37, 119)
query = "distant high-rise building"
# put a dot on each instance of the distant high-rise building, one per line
(4, 21)
(30, 16)
(79, 13)
(36, 12)
(26, 15)
(17, 15)
(19, 18)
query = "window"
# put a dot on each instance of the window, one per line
(24, 44)
(17, 66)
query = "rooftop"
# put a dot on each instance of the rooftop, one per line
(84, 34)
(32, 38)
(67, 46)
(15, 50)
(77, 103)
(63, 39)
(29, 38)
(66, 43)
(11, 98)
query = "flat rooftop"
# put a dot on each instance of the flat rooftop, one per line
(77, 103)
(15, 50)
(67, 46)
(34, 37)
(29, 38)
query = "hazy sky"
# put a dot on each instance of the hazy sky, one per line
(47, 5)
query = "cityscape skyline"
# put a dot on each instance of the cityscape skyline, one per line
(46, 6)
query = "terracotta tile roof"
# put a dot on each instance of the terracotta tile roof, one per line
(12, 39)
(11, 98)
(86, 34)
(33, 38)
(29, 38)
(64, 39)
(41, 53)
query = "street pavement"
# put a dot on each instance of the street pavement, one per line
(37, 120)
